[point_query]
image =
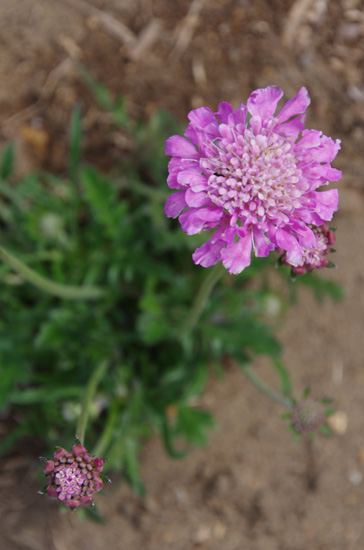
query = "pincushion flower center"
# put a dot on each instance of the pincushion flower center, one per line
(254, 177)
(69, 480)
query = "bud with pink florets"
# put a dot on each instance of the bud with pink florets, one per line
(73, 476)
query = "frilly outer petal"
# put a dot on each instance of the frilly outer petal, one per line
(295, 106)
(178, 146)
(175, 204)
(237, 256)
(263, 102)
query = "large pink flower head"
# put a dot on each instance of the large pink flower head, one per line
(253, 176)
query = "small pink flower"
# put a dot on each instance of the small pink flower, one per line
(253, 177)
(73, 476)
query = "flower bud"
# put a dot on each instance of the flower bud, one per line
(308, 415)
(73, 476)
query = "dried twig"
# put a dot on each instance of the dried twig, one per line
(145, 39)
(295, 17)
(186, 28)
(111, 25)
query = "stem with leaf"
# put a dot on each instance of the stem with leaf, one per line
(202, 297)
(262, 387)
(87, 399)
(62, 291)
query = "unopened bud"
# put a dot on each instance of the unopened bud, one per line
(307, 416)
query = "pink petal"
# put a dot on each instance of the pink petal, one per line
(327, 203)
(226, 132)
(288, 242)
(264, 101)
(292, 128)
(172, 181)
(194, 219)
(175, 204)
(329, 149)
(240, 114)
(324, 172)
(177, 146)
(209, 253)
(237, 256)
(225, 111)
(309, 139)
(196, 200)
(295, 106)
(203, 116)
(305, 235)
(261, 244)
(194, 179)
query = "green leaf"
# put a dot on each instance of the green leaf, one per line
(102, 198)
(168, 434)
(7, 162)
(285, 377)
(40, 395)
(131, 463)
(193, 424)
(75, 143)
(325, 430)
(104, 98)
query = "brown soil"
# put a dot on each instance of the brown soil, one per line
(251, 488)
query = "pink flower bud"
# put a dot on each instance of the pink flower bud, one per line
(98, 484)
(99, 464)
(59, 453)
(48, 467)
(74, 476)
(52, 492)
(78, 450)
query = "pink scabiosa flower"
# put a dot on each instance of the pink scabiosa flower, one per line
(73, 476)
(253, 176)
(314, 258)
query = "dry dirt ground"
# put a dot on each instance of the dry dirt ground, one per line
(251, 489)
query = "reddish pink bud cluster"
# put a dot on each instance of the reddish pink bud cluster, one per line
(313, 258)
(73, 476)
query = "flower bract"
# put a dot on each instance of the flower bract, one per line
(251, 177)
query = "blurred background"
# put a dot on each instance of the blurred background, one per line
(250, 488)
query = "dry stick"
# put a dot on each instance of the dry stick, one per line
(110, 24)
(295, 16)
(136, 45)
(186, 29)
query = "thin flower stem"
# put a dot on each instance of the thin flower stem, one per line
(62, 291)
(87, 398)
(108, 431)
(261, 386)
(202, 297)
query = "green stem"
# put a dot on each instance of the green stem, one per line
(109, 429)
(202, 297)
(261, 386)
(62, 291)
(87, 398)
